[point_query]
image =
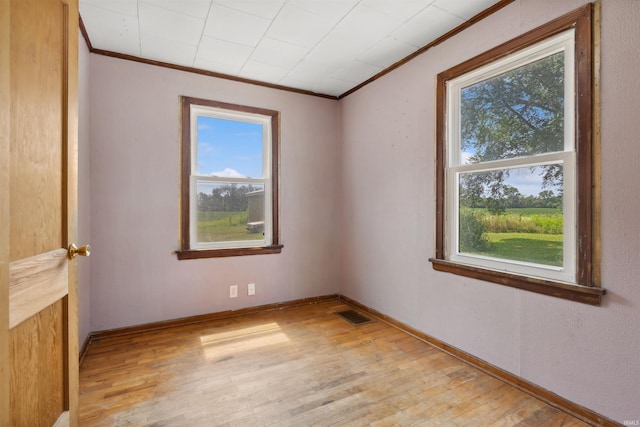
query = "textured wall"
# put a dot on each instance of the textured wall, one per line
(586, 354)
(135, 276)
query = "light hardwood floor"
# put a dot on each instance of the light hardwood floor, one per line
(302, 366)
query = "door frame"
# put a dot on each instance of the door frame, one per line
(5, 128)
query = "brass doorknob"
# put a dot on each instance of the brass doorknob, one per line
(82, 250)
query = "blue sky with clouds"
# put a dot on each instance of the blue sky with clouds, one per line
(229, 148)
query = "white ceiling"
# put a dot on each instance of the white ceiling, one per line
(322, 46)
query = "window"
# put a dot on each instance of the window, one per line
(229, 190)
(514, 161)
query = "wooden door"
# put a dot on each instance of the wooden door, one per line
(38, 212)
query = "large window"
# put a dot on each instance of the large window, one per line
(514, 153)
(229, 180)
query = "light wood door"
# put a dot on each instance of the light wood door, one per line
(38, 212)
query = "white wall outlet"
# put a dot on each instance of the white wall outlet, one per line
(233, 291)
(251, 289)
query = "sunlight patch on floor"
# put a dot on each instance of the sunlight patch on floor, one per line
(225, 343)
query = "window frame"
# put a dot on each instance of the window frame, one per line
(188, 194)
(559, 43)
(583, 288)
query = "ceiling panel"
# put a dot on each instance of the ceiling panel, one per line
(386, 52)
(277, 53)
(111, 30)
(195, 8)
(168, 51)
(373, 24)
(299, 27)
(464, 8)
(125, 7)
(267, 9)
(403, 10)
(356, 71)
(235, 26)
(332, 10)
(324, 46)
(429, 24)
(264, 72)
(309, 73)
(170, 25)
(221, 56)
(339, 46)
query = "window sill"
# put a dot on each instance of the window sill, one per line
(219, 253)
(578, 293)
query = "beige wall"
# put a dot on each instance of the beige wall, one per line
(135, 276)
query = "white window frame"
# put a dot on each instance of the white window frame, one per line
(266, 179)
(563, 42)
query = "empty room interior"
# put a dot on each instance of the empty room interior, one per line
(458, 176)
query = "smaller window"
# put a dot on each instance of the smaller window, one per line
(229, 197)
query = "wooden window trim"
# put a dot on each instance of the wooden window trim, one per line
(585, 290)
(584, 294)
(185, 174)
(219, 253)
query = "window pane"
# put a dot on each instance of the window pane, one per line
(228, 148)
(513, 214)
(230, 212)
(518, 113)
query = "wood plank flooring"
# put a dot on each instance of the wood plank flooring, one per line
(302, 366)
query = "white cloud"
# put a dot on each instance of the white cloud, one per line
(527, 181)
(464, 157)
(228, 173)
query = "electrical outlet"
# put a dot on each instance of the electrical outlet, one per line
(233, 291)
(251, 289)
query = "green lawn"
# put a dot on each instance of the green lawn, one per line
(224, 227)
(536, 248)
(526, 234)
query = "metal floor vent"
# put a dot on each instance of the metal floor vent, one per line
(353, 317)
